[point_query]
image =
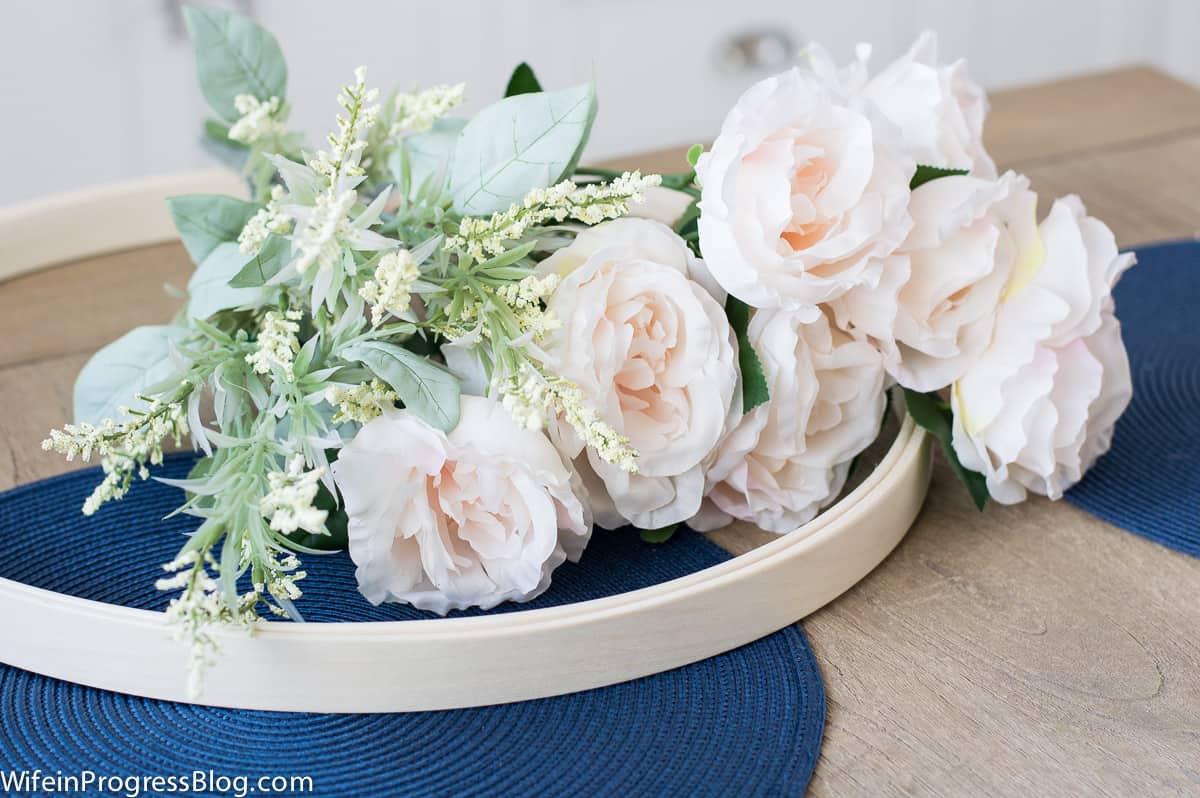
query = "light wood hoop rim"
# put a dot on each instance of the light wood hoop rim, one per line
(442, 663)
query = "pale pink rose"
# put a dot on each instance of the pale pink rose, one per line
(651, 349)
(787, 459)
(938, 109)
(933, 311)
(474, 518)
(803, 192)
(1038, 408)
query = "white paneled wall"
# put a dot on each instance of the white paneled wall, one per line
(102, 90)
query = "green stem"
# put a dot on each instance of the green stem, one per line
(593, 171)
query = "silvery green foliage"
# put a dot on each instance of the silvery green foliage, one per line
(128, 367)
(430, 155)
(520, 143)
(259, 269)
(206, 220)
(209, 289)
(426, 388)
(234, 56)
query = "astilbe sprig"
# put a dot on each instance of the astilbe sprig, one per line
(590, 203)
(126, 448)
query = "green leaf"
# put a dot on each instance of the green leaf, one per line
(660, 535)
(693, 154)
(427, 389)
(430, 153)
(754, 382)
(270, 260)
(219, 132)
(205, 220)
(234, 56)
(926, 173)
(210, 290)
(506, 258)
(523, 81)
(517, 144)
(935, 416)
(119, 372)
(302, 183)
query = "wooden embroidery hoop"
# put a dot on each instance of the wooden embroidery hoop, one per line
(442, 663)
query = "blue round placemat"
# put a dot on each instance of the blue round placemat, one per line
(1149, 482)
(747, 722)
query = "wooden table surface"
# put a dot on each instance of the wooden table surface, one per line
(1029, 650)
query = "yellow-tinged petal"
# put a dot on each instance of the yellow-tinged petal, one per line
(1029, 262)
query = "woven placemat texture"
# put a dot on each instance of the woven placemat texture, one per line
(748, 722)
(1149, 482)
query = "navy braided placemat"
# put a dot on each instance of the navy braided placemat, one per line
(748, 722)
(1149, 482)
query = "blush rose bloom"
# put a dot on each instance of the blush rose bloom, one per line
(938, 109)
(474, 518)
(803, 192)
(651, 349)
(1038, 408)
(934, 309)
(787, 459)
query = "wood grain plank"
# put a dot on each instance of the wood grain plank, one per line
(1144, 192)
(1090, 113)
(36, 397)
(1029, 650)
(80, 306)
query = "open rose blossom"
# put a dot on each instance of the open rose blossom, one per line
(933, 311)
(937, 108)
(473, 518)
(802, 193)
(651, 349)
(787, 459)
(1038, 407)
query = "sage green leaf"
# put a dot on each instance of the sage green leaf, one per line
(507, 258)
(234, 56)
(754, 382)
(926, 173)
(520, 143)
(210, 289)
(660, 535)
(425, 388)
(206, 220)
(523, 81)
(301, 181)
(430, 154)
(119, 372)
(276, 253)
(935, 416)
(219, 133)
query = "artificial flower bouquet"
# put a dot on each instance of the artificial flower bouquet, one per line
(445, 347)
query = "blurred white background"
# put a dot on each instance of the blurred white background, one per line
(104, 90)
